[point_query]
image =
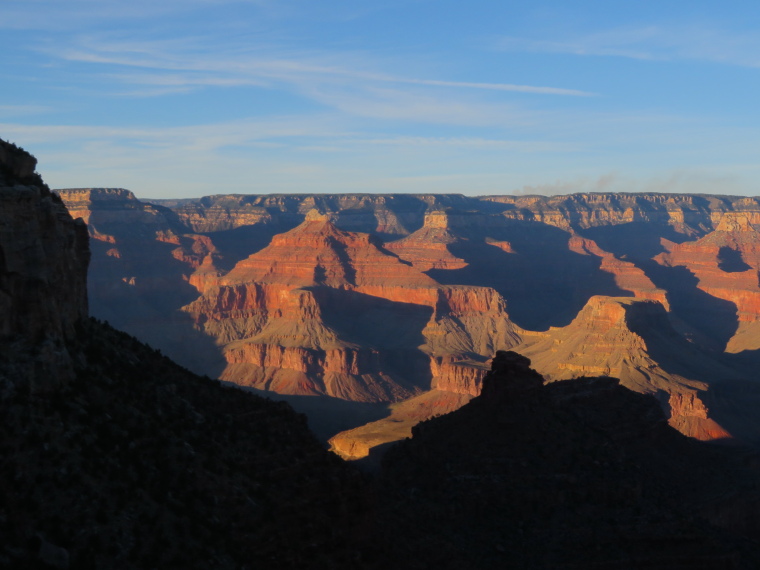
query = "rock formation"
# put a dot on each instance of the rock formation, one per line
(378, 298)
(115, 457)
(633, 340)
(43, 271)
(287, 315)
(725, 265)
(576, 474)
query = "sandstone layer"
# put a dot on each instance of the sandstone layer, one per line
(325, 311)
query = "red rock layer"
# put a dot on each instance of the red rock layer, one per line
(627, 276)
(452, 374)
(427, 248)
(271, 311)
(318, 253)
(689, 415)
(735, 279)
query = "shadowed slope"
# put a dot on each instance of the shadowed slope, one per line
(115, 457)
(576, 474)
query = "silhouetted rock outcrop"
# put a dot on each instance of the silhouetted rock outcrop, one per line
(43, 272)
(115, 457)
(576, 474)
(510, 374)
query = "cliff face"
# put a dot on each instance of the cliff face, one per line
(287, 315)
(402, 214)
(114, 456)
(687, 214)
(43, 271)
(377, 297)
(144, 268)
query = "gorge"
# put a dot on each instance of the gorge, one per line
(401, 299)
(116, 457)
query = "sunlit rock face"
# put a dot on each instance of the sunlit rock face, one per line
(632, 340)
(293, 318)
(380, 298)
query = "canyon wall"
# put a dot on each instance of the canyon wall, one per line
(380, 298)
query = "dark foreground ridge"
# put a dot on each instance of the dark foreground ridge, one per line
(112, 456)
(576, 474)
(136, 463)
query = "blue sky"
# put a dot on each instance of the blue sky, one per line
(183, 98)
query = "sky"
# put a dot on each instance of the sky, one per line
(185, 98)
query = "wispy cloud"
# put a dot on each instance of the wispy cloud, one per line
(655, 42)
(229, 68)
(7, 111)
(474, 142)
(202, 137)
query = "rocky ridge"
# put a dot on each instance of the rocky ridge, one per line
(43, 271)
(576, 474)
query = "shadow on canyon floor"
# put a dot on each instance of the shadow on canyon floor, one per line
(545, 284)
(716, 320)
(634, 241)
(733, 404)
(731, 261)
(327, 415)
(372, 321)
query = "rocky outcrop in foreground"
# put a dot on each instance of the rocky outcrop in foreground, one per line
(576, 474)
(43, 272)
(115, 457)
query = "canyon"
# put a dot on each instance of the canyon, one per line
(116, 457)
(400, 300)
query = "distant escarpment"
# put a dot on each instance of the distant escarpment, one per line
(380, 298)
(576, 474)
